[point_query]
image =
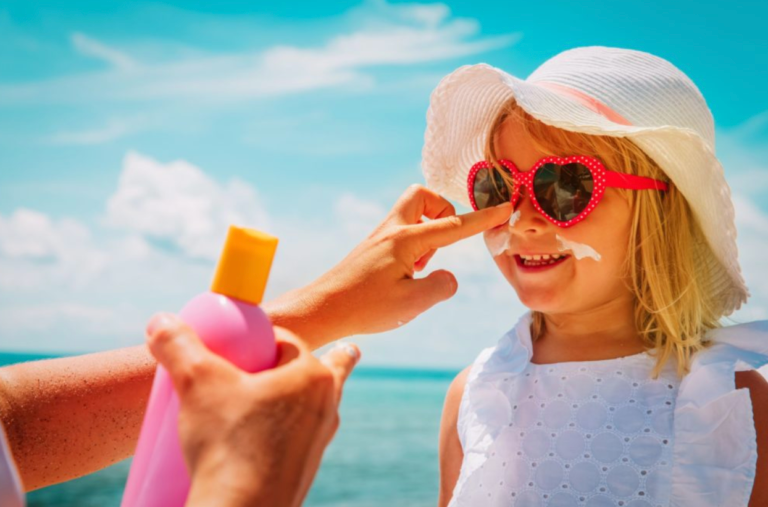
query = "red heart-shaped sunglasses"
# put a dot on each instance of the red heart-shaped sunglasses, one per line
(564, 190)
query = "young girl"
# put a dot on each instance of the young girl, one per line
(619, 387)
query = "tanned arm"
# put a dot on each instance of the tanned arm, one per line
(451, 454)
(68, 417)
(758, 392)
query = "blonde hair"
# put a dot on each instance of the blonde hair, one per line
(672, 305)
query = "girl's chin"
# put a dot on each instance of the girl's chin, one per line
(541, 300)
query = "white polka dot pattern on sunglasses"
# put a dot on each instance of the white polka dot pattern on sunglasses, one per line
(599, 177)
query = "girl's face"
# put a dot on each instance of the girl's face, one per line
(571, 285)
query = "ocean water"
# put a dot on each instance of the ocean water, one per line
(384, 454)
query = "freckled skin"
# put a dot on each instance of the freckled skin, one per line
(65, 418)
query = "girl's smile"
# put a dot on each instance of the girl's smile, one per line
(552, 269)
(539, 262)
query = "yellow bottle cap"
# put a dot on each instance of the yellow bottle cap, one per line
(244, 265)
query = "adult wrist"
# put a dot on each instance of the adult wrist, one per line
(307, 312)
(240, 485)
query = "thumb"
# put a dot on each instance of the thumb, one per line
(434, 288)
(179, 350)
(341, 360)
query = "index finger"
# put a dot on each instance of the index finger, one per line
(446, 231)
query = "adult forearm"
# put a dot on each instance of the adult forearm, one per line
(314, 313)
(71, 416)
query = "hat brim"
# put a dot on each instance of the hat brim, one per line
(466, 101)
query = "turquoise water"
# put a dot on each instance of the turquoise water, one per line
(384, 454)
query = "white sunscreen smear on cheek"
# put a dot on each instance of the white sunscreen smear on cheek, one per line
(514, 218)
(579, 250)
(497, 241)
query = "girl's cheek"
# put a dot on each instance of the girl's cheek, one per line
(497, 240)
(579, 250)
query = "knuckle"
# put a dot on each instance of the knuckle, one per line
(198, 368)
(397, 235)
(192, 372)
(183, 380)
(415, 189)
(454, 221)
(162, 336)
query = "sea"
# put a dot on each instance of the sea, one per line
(384, 454)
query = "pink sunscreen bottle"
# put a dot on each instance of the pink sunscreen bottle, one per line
(231, 324)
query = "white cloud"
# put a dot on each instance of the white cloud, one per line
(358, 217)
(180, 204)
(30, 234)
(156, 247)
(69, 287)
(115, 128)
(382, 35)
(743, 153)
(37, 250)
(752, 226)
(91, 47)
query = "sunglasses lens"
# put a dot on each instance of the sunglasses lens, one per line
(489, 189)
(563, 191)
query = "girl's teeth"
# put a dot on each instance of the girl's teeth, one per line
(541, 260)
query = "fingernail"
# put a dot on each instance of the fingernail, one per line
(505, 205)
(350, 349)
(156, 322)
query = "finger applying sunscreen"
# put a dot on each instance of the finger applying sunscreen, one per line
(449, 230)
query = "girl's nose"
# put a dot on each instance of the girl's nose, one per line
(530, 221)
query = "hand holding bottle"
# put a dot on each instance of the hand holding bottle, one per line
(251, 439)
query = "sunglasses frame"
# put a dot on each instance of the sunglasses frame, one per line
(601, 177)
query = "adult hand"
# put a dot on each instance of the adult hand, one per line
(251, 439)
(374, 289)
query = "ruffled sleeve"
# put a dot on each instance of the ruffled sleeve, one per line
(485, 409)
(715, 450)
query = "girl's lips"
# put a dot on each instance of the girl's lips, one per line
(542, 267)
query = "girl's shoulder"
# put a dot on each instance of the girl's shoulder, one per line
(456, 389)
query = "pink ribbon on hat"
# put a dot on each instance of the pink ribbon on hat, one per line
(587, 101)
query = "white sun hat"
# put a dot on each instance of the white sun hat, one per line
(599, 91)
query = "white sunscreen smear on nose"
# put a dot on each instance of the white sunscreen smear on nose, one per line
(514, 218)
(579, 250)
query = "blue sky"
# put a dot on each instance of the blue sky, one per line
(131, 133)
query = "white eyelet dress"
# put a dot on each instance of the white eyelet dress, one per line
(604, 433)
